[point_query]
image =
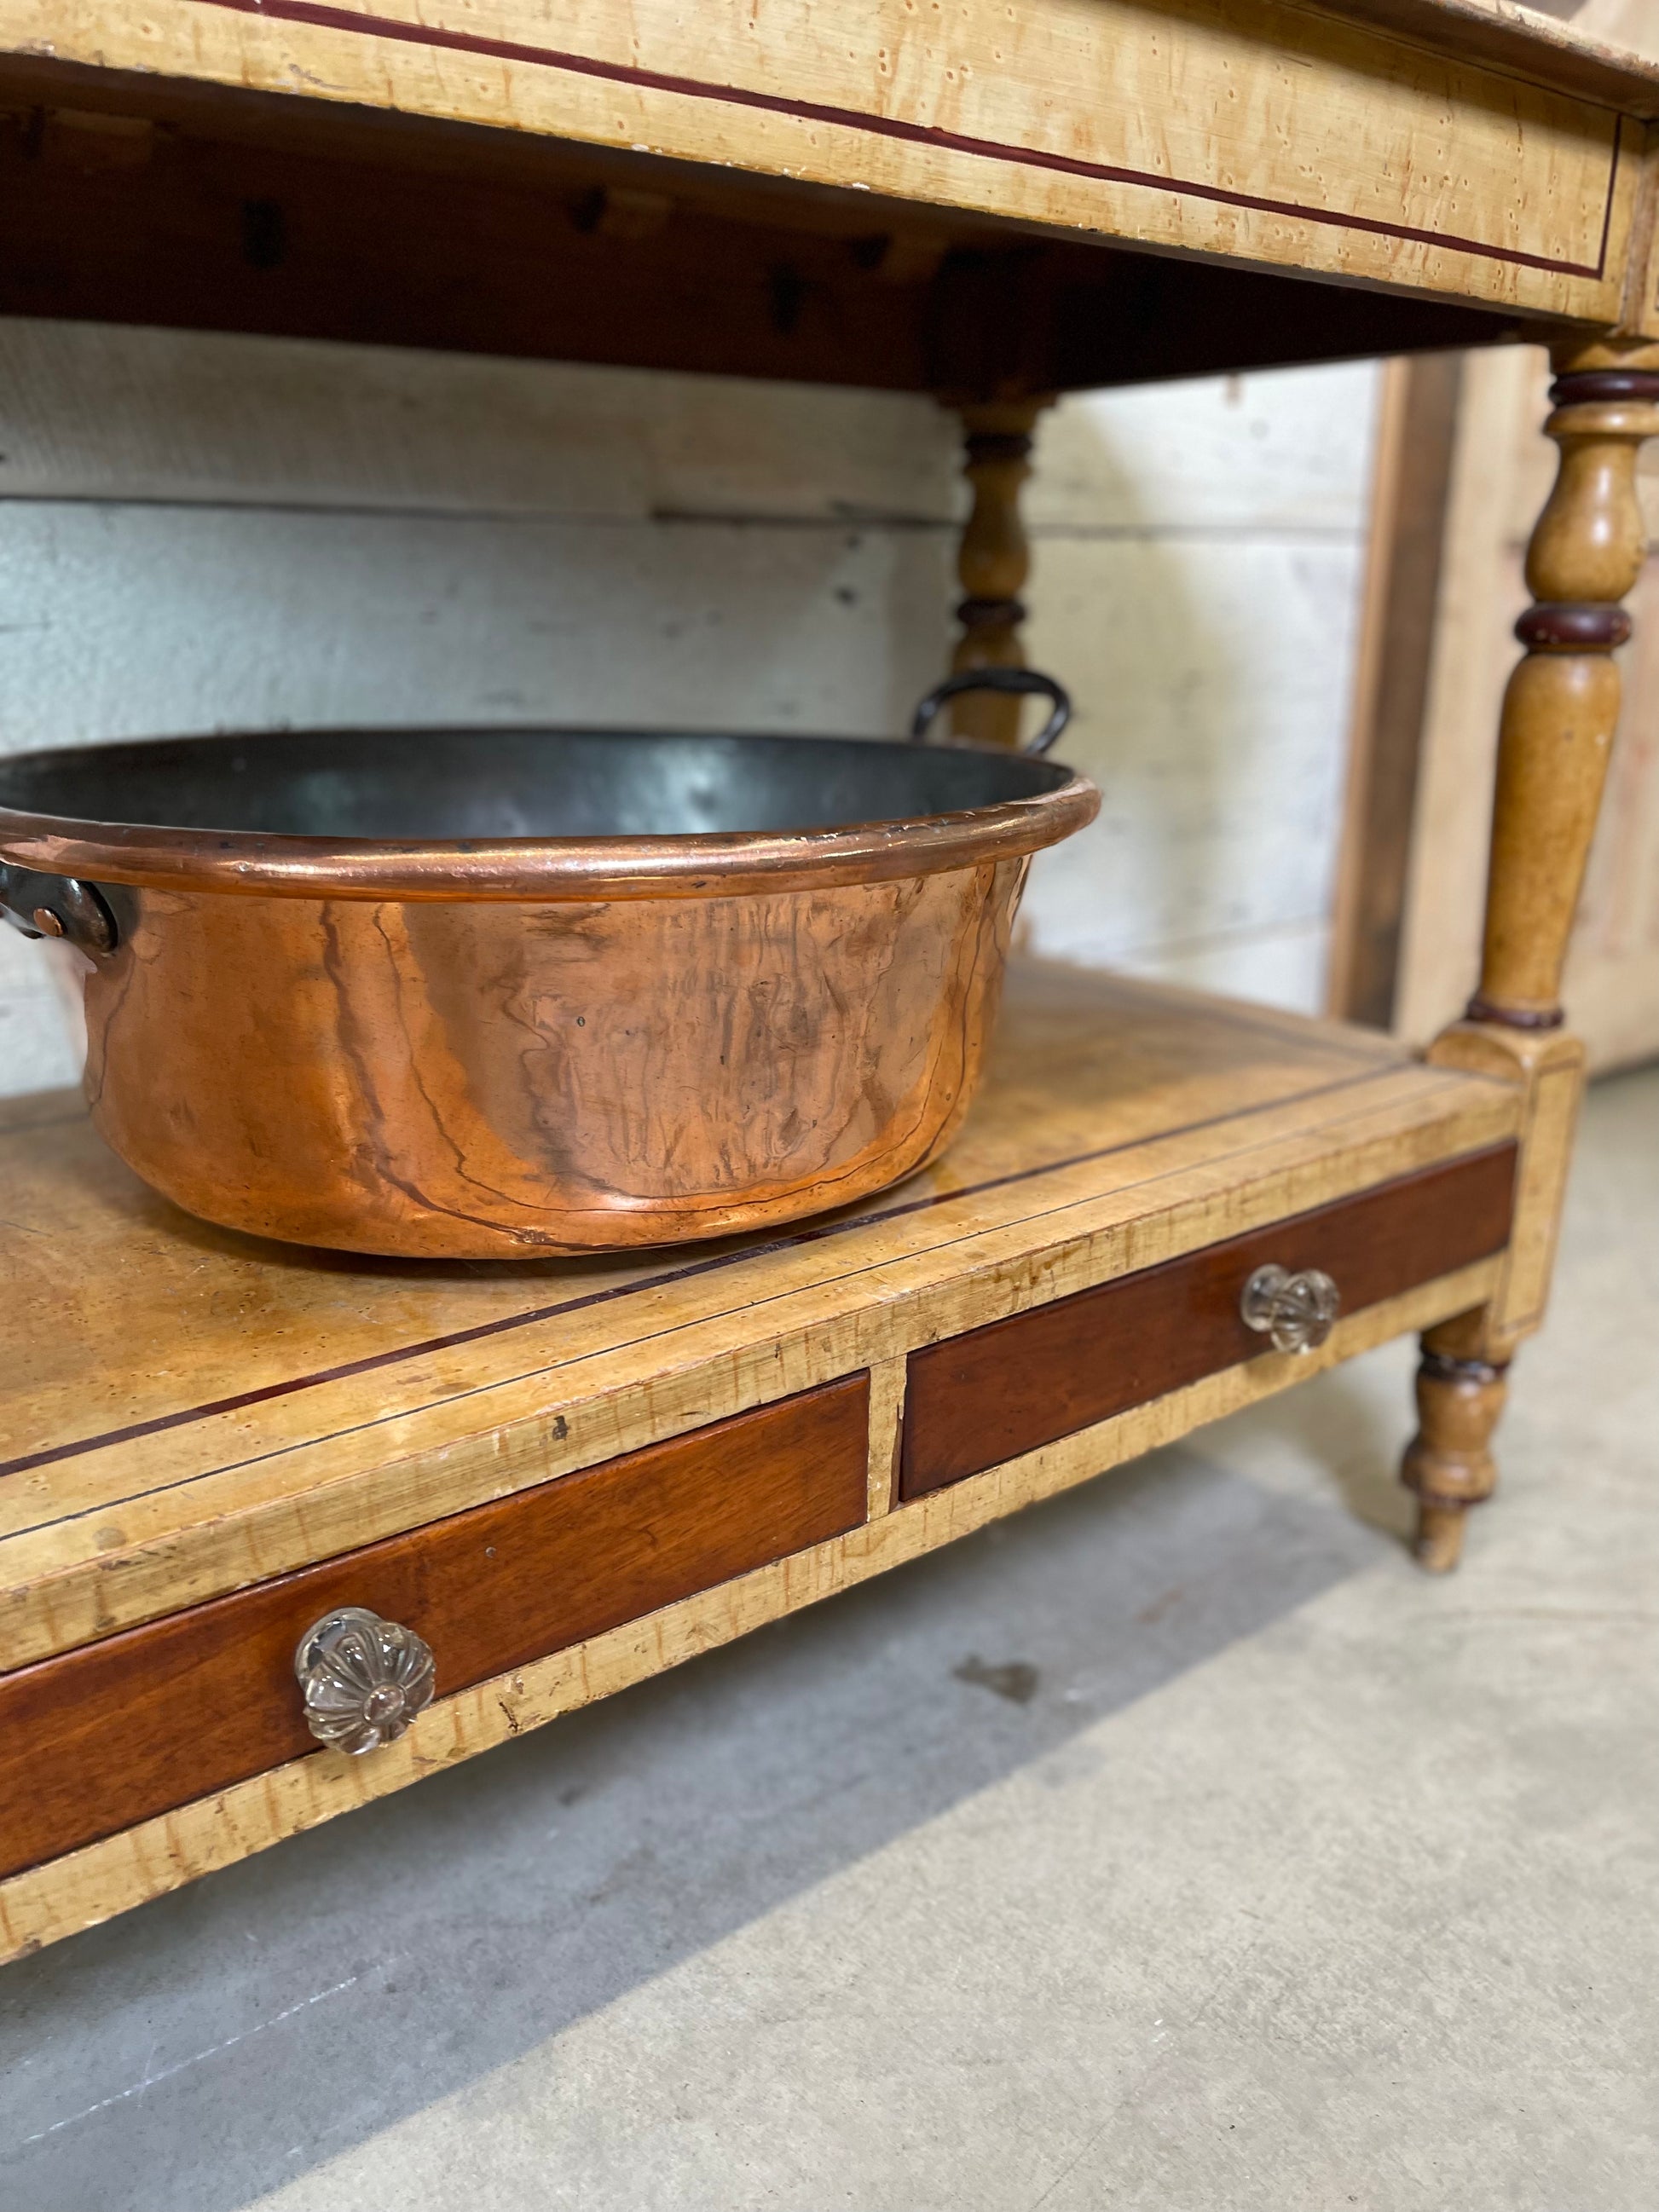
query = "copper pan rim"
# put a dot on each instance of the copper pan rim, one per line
(538, 870)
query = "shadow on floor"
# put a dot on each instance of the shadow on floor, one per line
(195, 2054)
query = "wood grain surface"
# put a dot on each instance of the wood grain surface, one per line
(98, 1739)
(993, 559)
(1605, 48)
(1416, 437)
(184, 1412)
(1270, 134)
(1548, 1067)
(993, 1393)
(1448, 1463)
(1502, 478)
(1555, 733)
(279, 221)
(1561, 707)
(53, 1901)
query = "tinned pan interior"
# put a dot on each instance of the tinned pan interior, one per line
(534, 814)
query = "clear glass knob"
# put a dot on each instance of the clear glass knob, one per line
(1297, 1312)
(364, 1679)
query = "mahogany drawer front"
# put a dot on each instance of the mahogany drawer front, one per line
(985, 1396)
(92, 1740)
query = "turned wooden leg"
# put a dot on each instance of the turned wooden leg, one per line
(1449, 1462)
(992, 562)
(1559, 713)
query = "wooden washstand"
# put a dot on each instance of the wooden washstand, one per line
(566, 1478)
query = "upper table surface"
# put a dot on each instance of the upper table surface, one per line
(1465, 149)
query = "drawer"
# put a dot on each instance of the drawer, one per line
(97, 1739)
(977, 1400)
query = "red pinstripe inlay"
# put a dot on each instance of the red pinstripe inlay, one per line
(323, 17)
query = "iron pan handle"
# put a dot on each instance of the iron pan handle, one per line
(1021, 682)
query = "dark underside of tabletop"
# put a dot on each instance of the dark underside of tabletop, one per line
(132, 200)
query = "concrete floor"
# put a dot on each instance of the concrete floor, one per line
(1177, 1845)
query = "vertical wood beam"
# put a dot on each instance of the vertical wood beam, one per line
(992, 561)
(1417, 433)
(1560, 714)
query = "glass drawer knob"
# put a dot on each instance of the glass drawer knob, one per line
(363, 1679)
(1297, 1312)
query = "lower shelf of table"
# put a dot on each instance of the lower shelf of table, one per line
(572, 1476)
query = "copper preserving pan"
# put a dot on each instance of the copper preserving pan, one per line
(493, 992)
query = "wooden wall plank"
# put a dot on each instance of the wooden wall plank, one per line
(1481, 594)
(1287, 455)
(1214, 730)
(97, 411)
(1395, 655)
(94, 411)
(132, 620)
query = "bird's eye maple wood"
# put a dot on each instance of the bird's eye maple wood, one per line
(989, 205)
(999, 1391)
(1560, 714)
(196, 1427)
(99, 1738)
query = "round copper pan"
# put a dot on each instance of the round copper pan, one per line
(486, 1044)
